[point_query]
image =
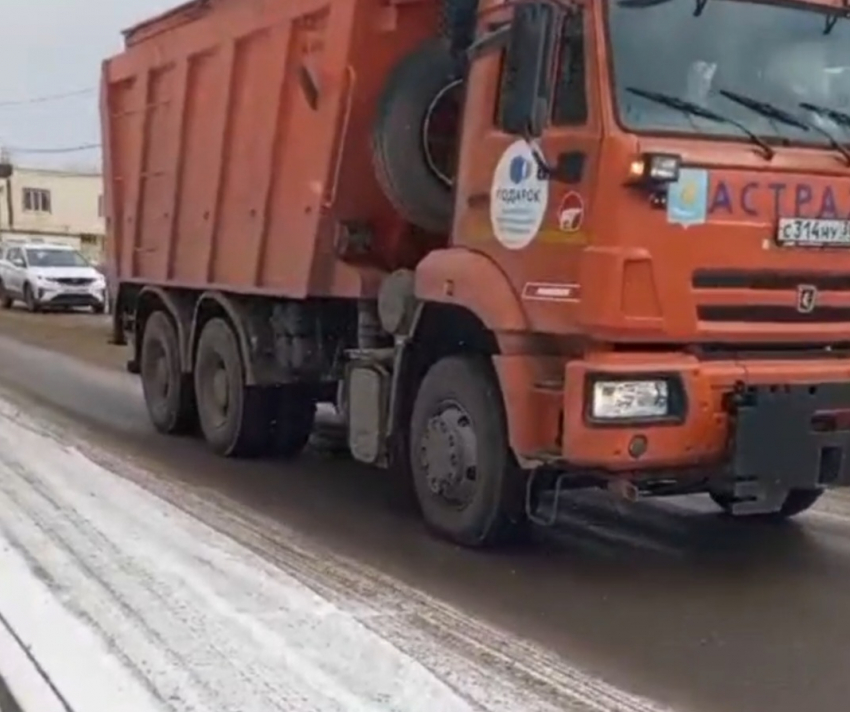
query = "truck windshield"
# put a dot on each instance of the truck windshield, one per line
(795, 57)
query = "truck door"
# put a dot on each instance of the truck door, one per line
(534, 225)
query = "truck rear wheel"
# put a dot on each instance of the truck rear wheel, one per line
(797, 502)
(466, 481)
(246, 421)
(167, 390)
(293, 417)
(235, 418)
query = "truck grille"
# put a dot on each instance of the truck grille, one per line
(747, 279)
(769, 297)
(775, 315)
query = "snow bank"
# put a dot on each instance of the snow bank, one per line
(27, 687)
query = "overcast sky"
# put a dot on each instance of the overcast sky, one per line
(55, 46)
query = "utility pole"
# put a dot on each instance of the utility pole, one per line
(6, 171)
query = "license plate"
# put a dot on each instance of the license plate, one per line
(810, 232)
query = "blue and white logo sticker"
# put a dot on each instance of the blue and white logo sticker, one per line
(687, 198)
(518, 197)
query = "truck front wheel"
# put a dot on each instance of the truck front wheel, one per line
(167, 390)
(466, 481)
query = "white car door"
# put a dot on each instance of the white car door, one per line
(5, 266)
(16, 270)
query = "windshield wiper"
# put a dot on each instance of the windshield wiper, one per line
(691, 108)
(842, 118)
(775, 113)
(833, 18)
(699, 5)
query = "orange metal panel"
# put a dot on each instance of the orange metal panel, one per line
(221, 174)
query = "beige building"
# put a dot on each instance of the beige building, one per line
(55, 205)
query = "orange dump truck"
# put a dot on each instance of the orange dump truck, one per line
(525, 247)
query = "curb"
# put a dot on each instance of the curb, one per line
(23, 684)
(7, 702)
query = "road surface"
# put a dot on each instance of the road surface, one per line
(665, 599)
(173, 615)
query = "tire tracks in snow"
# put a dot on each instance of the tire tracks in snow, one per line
(205, 624)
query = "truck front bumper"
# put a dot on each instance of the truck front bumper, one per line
(788, 438)
(756, 416)
(782, 424)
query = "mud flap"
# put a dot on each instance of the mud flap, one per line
(788, 438)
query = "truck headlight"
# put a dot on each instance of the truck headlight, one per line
(630, 400)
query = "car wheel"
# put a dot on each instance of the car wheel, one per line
(6, 301)
(30, 299)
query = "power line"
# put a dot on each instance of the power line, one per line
(46, 98)
(42, 100)
(64, 149)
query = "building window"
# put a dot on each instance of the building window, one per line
(37, 200)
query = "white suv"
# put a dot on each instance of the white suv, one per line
(46, 276)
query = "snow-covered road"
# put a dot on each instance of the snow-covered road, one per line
(129, 603)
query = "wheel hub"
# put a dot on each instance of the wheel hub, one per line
(220, 390)
(155, 371)
(161, 378)
(449, 456)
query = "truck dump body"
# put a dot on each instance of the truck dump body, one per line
(236, 141)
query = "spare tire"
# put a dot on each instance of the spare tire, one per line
(415, 138)
(457, 22)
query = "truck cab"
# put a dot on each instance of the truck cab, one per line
(664, 256)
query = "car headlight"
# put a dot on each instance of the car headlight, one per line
(630, 400)
(45, 282)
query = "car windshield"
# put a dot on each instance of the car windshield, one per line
(55, 258)
(702, 52)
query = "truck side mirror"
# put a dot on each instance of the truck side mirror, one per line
(528, 65)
